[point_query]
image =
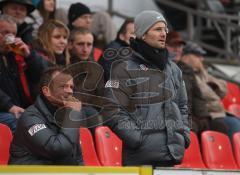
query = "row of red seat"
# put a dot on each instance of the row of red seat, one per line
(216, 150)
(231, 101)
(108, 146)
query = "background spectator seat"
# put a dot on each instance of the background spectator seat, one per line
(88, 150)
(192, 157)
(5, 140)
(232, 96)
(109, 147)
(217, 151)
(236, 147)
(234, 109)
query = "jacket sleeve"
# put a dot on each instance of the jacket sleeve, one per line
(36, 64)
(43, 141)
(219, 86)
(182, 104)
(121, 122)
(5, 102)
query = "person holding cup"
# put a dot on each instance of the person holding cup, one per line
(14, 94)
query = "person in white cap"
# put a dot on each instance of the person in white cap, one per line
(150, 97)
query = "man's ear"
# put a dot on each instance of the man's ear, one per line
(46, 91)
(143, 37)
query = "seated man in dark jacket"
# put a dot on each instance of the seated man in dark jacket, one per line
(48, 131)
(14, 94)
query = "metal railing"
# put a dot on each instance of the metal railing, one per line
(226, 25)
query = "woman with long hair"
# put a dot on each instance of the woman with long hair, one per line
(49, 49)
(52, 42)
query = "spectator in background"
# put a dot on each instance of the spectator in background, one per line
(79, 15)
(175, 45)
(124, 34)
(19, 9)
(14, 92)
(207, 105)
(46, 10)
(151, 98)
(52, 42)
(48, 131)
(81, 45)
(50, 48)
(89, 74)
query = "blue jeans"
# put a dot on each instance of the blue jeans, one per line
(8, 119)
(233, 124)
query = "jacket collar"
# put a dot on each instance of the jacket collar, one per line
(43, 109)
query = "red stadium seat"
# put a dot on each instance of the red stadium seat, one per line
(234, 109)
(192, 157)
(88, 151)
(217, 151)
(232, 96)
(5, 140)
(236, 147)
(109, 147)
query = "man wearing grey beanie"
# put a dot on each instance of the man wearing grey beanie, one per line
(150, 97)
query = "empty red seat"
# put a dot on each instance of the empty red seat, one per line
(192, 157)
(232, 96)
(236, 147)
(88, 150)
(5, 141)
(217, 151)
(234, 109)
(109, 147)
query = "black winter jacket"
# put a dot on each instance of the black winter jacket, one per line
(11, 90)
(39, 140)
(152, 115)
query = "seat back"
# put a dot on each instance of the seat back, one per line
(109, 147)
(236, 147)
(5, 141)
(232, 96)
(88, 150)
(217, 151)
(234, 109)
(192, 156)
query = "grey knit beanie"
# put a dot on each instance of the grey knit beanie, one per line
(145, 20)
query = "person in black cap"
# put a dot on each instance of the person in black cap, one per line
(79, 15)
(19, 9)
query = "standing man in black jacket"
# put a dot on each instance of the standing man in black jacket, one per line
(152, 117)
(48, 131)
